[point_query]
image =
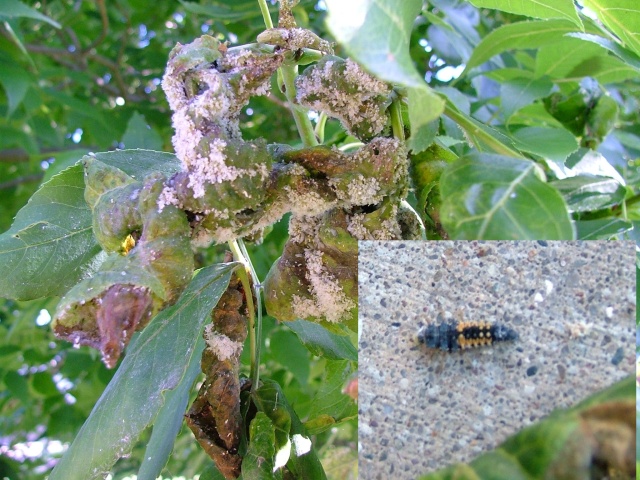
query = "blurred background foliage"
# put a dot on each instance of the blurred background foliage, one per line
(79, 77)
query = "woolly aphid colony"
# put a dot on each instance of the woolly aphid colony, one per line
(229, 187)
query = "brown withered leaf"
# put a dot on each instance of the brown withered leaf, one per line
(215, 418)
(201, 421)
(119, 311)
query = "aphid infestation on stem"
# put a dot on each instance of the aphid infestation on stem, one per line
(228, 188)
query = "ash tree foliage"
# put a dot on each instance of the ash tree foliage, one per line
(140, 145)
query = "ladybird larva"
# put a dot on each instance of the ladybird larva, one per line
(462, 335)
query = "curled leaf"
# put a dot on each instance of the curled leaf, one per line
(343, 90)
(214, 418)
(104, 310)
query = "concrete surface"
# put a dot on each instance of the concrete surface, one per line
(572, 303)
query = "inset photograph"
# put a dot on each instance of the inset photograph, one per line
(515, 358)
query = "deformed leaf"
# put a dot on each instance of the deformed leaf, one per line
(343, 90)
(50, 246)
(136, 164)
(376, 34)
(106, 309)
(329, 259)
(426, 169)
(214, 417)
(496, 197)
(156, 362)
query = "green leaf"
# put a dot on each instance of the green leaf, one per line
(376, 33)
(520, 92)
(140, 135)
(270, 399)
(558, 59)
(44, 384)
(480, 135)
(622, 17)
(491, 197)
(16, 82)
(169, 421)
(535, 8)
(18, 386)
(602, 228)
(605, 69)
(233, 12)
(585, 193)
(287, 350)
(424, 109)
(157, 361)
(139, 163)
(521, 35)
(14, 9)
(50, 246)
(323, 343)
(211, 473)
(628, 56)
(558, 143)
(586, 161)
(258, 462)
(330, 401)
(63, 160)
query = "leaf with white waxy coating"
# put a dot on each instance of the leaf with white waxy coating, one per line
(376, 34)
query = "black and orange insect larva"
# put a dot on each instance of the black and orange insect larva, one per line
(461, 335)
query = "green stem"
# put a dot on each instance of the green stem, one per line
(476, 134)
(264, 8)
(257, 291)
(319, 130)
(254, 339)
(632, 200)
(305, 128)
(397, 126)
(287, 76)
(350, 146)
